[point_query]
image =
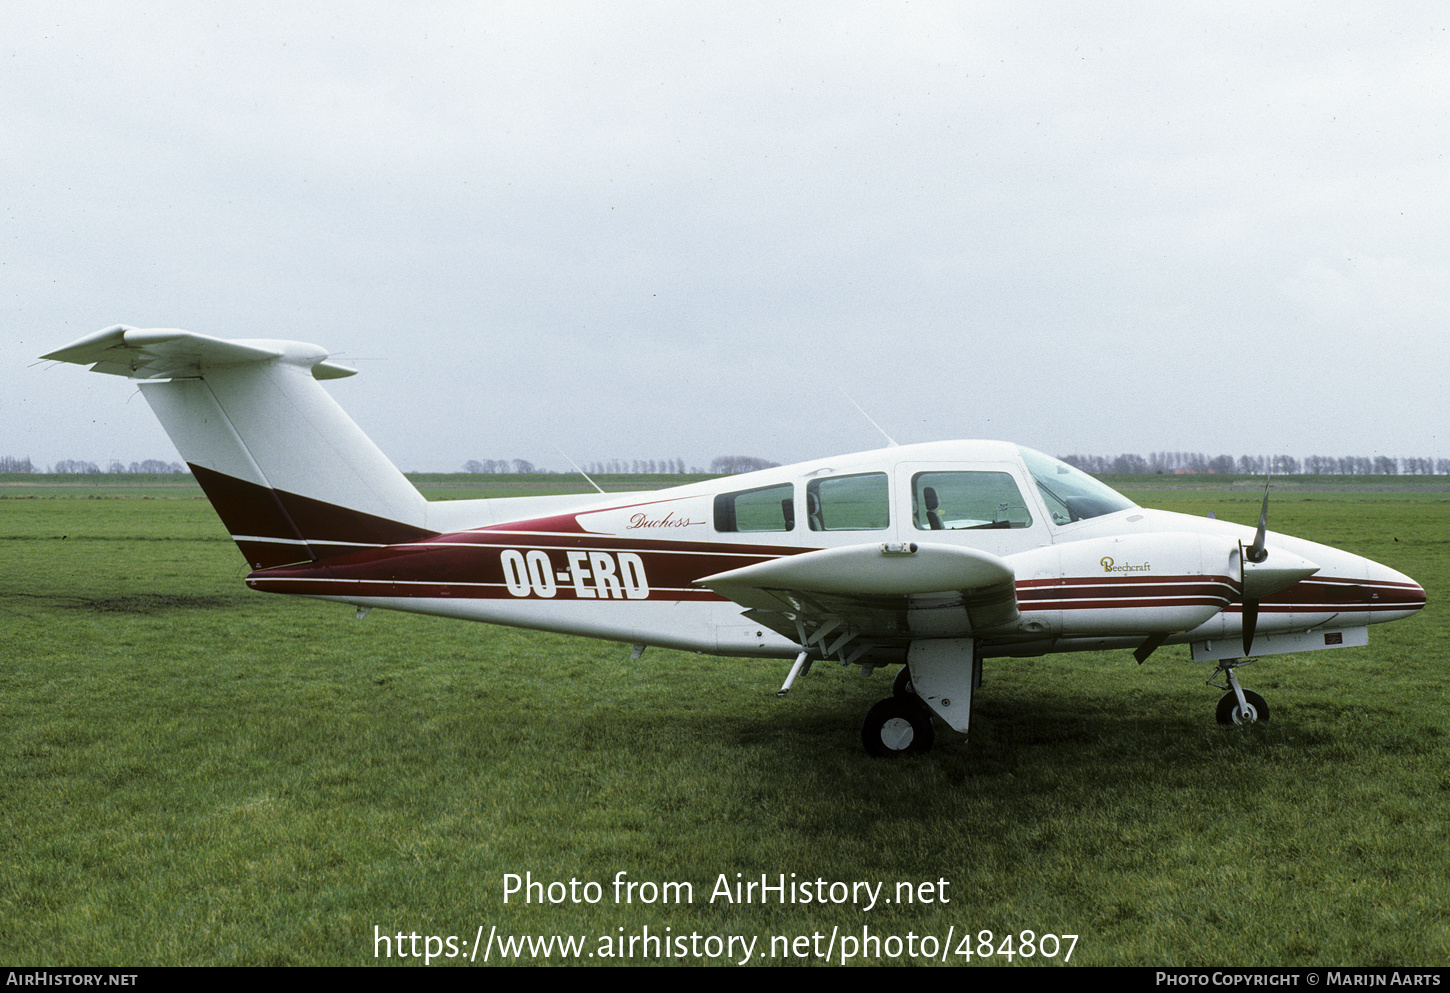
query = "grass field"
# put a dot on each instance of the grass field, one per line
(195, 774)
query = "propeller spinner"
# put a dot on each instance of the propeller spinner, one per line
(1259, 578)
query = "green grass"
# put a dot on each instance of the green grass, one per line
(195, 774)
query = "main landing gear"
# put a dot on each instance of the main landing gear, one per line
(936, 683)
(1238, 705)
(898, 725)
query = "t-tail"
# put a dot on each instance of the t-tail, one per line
(293, 478)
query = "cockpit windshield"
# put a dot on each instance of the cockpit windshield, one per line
(1071, 494)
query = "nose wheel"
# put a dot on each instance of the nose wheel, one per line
(1230, 711)
(1238, 705)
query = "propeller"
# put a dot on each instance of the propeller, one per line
(1256, 553)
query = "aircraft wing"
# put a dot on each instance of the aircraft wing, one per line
(168, 353)
(847, 600)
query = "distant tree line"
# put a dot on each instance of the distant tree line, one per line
(729, 465)
(673, 467)
(500, 465)
(1158, 462)
(1280, 465)
(9, 463)
(663, 467)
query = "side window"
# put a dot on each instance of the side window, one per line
(770, 508)
(848, 503)
(958, 501)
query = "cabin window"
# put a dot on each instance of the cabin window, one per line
(770, 508)
(967, 501)
(848, 503)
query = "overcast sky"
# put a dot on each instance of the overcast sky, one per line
(675, 230)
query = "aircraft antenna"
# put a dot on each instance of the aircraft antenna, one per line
(890, 440)
(579, 470)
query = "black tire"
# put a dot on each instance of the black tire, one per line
(897, 726)
(901, 685)
(1228, 708)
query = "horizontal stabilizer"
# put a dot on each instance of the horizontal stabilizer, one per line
(169, 353)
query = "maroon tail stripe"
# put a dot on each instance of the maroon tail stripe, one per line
(245, 508)
(251, 510)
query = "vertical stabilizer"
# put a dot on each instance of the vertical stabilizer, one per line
(291, 475)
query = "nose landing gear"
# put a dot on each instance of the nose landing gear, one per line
(1238, 705)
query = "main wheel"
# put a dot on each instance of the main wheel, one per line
(896, 726)
(901, 685)
(1229, 712)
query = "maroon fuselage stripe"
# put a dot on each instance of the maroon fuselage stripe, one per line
(1099, 592)
(312, 551)
(469, 566)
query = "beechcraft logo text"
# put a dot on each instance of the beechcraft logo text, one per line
(1108, 566)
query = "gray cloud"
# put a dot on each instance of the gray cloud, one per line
(647, 231)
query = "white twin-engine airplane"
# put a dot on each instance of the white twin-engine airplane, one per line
(930, 557)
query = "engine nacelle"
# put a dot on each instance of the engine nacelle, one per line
(1139, 584)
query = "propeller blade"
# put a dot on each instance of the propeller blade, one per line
(1250, 616)
(1258, 552)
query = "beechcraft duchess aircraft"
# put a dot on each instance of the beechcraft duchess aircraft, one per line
(930, 557)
